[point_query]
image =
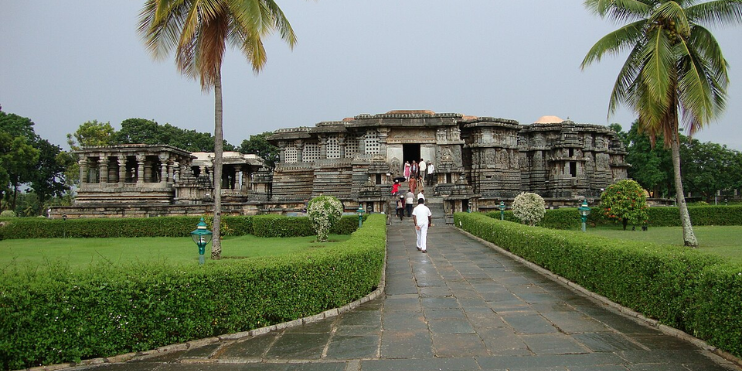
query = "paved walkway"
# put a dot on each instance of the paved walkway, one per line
(461, 306)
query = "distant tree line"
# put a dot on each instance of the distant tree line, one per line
(35, 174)
(706, 167)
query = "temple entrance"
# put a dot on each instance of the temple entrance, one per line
(411, 152)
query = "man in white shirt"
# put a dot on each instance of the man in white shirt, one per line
(429, 178)
(423, 218)
(421, 194)
(422, 172)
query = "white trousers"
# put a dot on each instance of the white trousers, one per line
(422, 237)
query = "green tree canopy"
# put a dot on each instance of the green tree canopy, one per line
(90, 134)
(258, 145)
(18, 157)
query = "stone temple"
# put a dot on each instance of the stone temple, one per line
(479, 162)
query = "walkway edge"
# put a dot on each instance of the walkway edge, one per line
(121, 358)
(611, 305)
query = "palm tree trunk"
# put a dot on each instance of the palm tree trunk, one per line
(216, 243)
(689, 238)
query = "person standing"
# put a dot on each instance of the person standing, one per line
(423, 218)
(421, 169)
(400, 207)
(409, 198)
(414, 169)
(421, 194)
(413, 184)
(407, 170)
(429, 178)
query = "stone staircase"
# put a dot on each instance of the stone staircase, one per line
(435, 204)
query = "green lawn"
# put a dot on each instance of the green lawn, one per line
(82, 252)
(722, 241)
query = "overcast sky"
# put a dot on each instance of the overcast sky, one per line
(63, 63)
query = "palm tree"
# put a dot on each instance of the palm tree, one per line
(199, 30)
(675, 66)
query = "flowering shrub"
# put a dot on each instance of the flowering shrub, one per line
(625, 201)
(324, 212)
(529, 208)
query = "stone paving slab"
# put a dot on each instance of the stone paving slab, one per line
(461, 306)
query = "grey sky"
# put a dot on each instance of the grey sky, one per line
(66, 62)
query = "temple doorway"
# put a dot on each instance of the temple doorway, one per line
(411, 152)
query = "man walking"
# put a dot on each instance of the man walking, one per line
(409, 198)
(423, 218)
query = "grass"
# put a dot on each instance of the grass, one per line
(723, 241)
(83, 252)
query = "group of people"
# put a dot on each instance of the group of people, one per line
(418, 172)
(421, 215)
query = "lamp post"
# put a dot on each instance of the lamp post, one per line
(502, 210)
(201, 236)
(360, 215)
(584, 212)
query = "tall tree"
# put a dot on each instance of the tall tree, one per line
(92, 133)
(199, 31)
(675, 66)
(258, 145)
(17, 154)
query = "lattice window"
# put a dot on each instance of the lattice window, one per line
(351, 147)
(311, 152)
(333, 147)
(290, 155)
(372, 142)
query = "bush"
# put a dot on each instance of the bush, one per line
(569, 218)
(55, 315)
(324, 212)
(7, 214)
(529, 208)
(625, 201)
(172, 226)
(678, 286)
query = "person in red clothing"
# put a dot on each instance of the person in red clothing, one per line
(395, 187)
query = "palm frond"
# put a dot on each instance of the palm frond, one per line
(715, 13)
(621, 10)
(659, 62)
(615, 42)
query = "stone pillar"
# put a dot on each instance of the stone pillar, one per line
(122, 169)
(103, 167)
(83, 162)
(341, 144)
(323, 147)
(176, 172)
(282, 152)
(164, 157)
(140, 169)
(299, 151)
(383, 134)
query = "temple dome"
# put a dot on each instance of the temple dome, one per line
(549, 120)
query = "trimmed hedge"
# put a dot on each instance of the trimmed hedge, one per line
(680, 287)
(172, 226)
(569, 218)
(54, 315)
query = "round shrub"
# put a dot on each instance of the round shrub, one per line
(324, 212)
(7, 214)
(625, 201)
(529, 208)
